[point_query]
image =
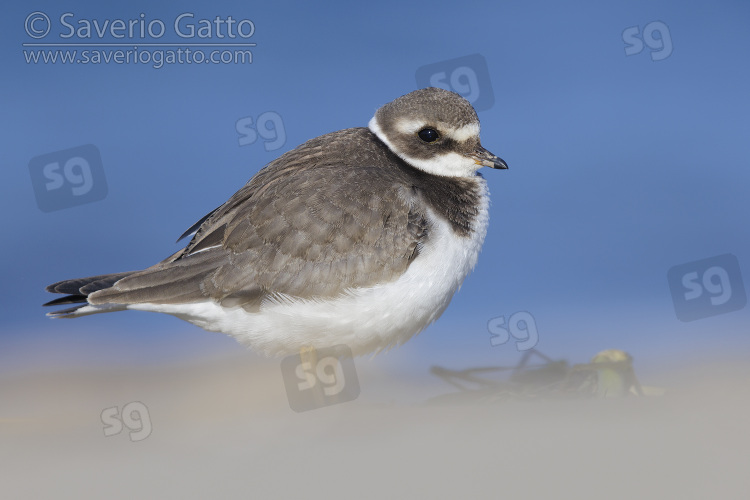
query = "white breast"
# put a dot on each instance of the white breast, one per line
(365, 319)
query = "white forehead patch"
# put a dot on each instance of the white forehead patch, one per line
(469, 131)
(460, 134)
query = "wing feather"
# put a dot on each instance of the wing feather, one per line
(307, 226)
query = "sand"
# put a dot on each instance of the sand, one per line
(221, 427)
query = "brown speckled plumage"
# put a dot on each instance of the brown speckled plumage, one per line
(307, 225)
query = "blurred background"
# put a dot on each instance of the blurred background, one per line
(621, 223)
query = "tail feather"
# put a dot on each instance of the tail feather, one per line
(78, 291)
(169, 282)
(76, 286)
(71, 312)
(68, 299)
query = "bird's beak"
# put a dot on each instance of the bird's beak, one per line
(483, 157)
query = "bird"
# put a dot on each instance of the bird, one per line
(358, 237)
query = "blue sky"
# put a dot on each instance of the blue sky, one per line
(621, 166)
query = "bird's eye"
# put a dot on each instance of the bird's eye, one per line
(428, 135)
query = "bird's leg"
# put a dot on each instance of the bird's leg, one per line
(309, 360)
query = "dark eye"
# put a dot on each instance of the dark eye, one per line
(428, 135)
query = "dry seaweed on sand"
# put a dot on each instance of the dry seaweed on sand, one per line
(610, 374)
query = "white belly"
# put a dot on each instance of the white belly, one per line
(365, 319)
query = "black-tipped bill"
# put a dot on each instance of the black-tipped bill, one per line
(483, 157)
